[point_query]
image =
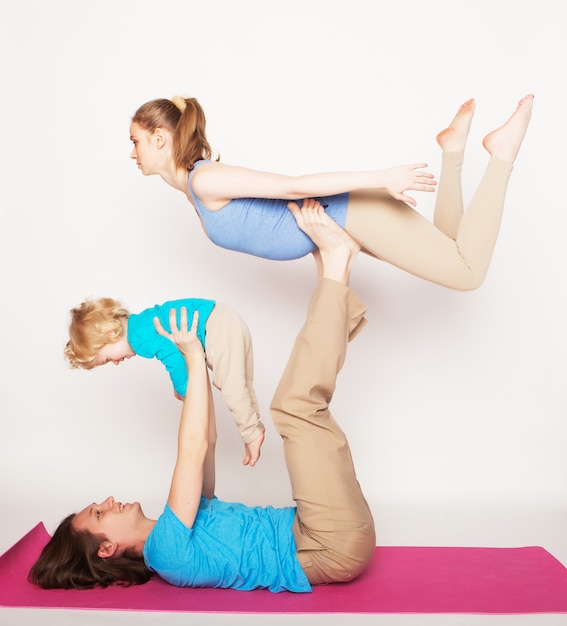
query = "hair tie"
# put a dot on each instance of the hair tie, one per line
(179, 102)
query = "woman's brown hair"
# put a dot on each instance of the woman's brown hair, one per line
(185, 119)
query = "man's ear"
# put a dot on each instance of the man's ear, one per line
(107, 549)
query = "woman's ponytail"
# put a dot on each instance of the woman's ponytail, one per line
(190, 141)
(185, 119)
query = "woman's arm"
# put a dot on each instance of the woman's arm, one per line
(216, 183)
(193, 438)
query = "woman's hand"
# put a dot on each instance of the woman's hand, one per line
(183, 337)
(397, 180)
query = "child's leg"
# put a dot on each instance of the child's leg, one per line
(231, 359)
(334, 529)
(393, 232)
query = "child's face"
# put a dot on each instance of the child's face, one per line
(115, 352)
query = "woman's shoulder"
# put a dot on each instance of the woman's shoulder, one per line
(199, 167)
(206, 164)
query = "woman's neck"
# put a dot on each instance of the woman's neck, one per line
(177, 178)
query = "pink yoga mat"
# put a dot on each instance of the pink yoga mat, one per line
(399, 580)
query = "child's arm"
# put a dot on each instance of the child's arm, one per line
(174, 362)
(193, 454)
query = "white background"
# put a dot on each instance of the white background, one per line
(454, 403)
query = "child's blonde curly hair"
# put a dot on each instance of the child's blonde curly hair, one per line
(94, 324)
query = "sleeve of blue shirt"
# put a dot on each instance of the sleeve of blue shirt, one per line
(145, 340)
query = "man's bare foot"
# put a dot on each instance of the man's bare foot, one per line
(252, 450)
(336, 247)
(454, 137)
(504, 142)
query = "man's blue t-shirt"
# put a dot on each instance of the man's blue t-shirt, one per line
(231, 545)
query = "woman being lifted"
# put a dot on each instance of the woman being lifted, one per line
(247, 210)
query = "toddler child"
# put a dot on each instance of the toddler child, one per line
(103, 331)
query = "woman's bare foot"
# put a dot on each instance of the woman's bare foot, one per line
(454, 137)
(337, 249)
(504, 142)
(252, 450)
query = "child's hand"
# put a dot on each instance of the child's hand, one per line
(184, 338)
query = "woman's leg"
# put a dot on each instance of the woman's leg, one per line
(334, 529)
(393, 232)
(449, 205)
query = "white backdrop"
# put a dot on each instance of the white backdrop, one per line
(454, 403)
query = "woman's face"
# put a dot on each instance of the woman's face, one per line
(115, 520)
(146, 150)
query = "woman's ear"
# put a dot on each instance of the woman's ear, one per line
(159, 138)
(106, 549)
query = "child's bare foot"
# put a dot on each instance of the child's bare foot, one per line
(336, 247)
(252, 450)
(454, 137)
(504, 142)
